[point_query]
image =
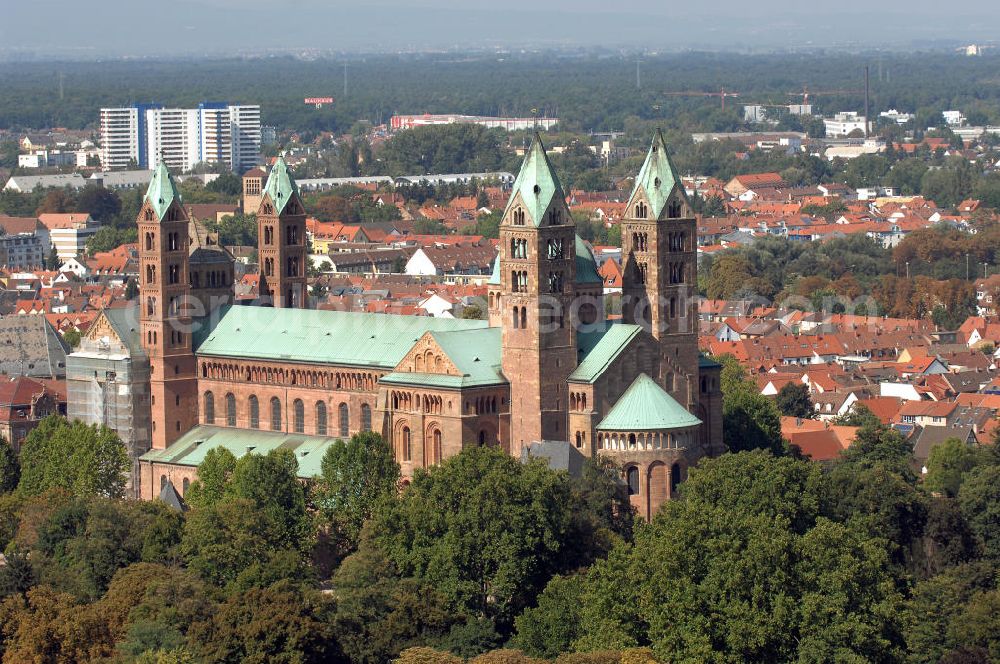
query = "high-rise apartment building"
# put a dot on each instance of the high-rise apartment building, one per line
(214, 132)
(123, 132)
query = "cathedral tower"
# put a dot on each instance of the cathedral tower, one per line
(281, 241)
(164, 316)
(537, 276)
(660, 269)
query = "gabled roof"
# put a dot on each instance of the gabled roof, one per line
(161, 191)
(191, 448)
(646, 406)
(599, 348)
(280, 185)
(657, 178)
(324, 337)
(475, 353)
(536, 182)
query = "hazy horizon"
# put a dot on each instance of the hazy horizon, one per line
(135, 28)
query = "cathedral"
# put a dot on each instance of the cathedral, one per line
(548, 367)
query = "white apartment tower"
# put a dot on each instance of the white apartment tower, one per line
(215, 132)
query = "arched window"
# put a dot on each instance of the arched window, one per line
(299, 410)
(436, 449)
(163, 482)
(344, 416)
(254, 412)
(632, 479)
(524, 318)
(320, 418)
(407, 449)
(209, 408)
(366, 417)
(275, 414)
(230, 410)
(184, 486)
(482, 437)
(675, 477)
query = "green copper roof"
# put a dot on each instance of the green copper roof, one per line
(598, 348)
(476, 353)
(161, 191)
(191, 448)
(647, 406)
(280, 185)
(323, 337)
(536, 182)
(658, 177)
(586, 266)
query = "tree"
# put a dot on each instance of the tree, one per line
(749, 419)
(270, 482)
(780, 581)
(551, 627)
(228, 183)
(213, 476)
(57, 200)
(379, 614)
(100, 203)
(946, 465)
(10, 468)
(86, 460)
(282, 623)
(793, 401)
(473, 312)
(484, 529)
(72, 337)
(357, 476)
(979, 499)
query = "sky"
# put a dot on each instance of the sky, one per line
(113, 28)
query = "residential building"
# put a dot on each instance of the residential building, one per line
(214, 132)
(399, 122)
(69, 232)
(842, 124)
(30, 346)
(23, 404)
(25, 184)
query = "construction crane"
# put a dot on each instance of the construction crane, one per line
(806, 93)
(721, 94)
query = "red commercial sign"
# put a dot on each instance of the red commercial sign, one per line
(319, 100)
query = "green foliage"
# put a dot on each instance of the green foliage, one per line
(979, 499)
(235, 230)
(86, 460)
(10, 468)
(457, 148)
(780, 582)
(749, 419)
(228, 184)
(102, 204)
(357, 477)
(214, 473)
(482, 528)
(380, 614)
(550, 628)
(793, 401)
(109, 237)
(947, 463)
(282, 623)
(488, 224)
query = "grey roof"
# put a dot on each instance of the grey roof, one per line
(28, 183)
(930, 437)
(559, 454)
(30, 346)
(169, 495)
(125, 322)
(122, 179)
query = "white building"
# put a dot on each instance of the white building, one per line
(69, 232)
(953, 118)
(26, 184)
(214, 132)
(892, 115)
(843, 124)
